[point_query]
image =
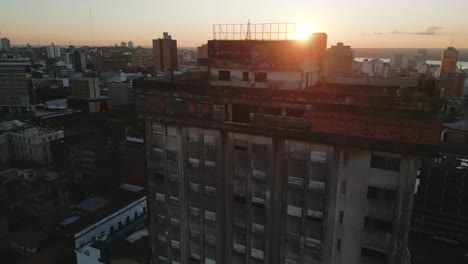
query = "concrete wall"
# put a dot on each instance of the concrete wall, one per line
(289, 193)
(275, 79)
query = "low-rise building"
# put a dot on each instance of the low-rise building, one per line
(23, 142)
(114, 214)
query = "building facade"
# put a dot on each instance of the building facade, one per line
(164, 54)
(5, 44)
(53, 51)
(265, 64)
(448, 62)
(15, 83)
(85, 87)
(277, 174)
(339, 60)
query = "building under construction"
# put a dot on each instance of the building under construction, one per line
(264, 164)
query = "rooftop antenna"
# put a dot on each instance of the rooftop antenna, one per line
(248, 35)
(92, 27)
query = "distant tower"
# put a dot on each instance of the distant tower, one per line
(164, 53)
(53, 51)
(130, 44)
(448, 62)
(5, 44)
(338, 60)
(123, 44)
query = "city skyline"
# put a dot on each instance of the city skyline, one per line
(364, 24)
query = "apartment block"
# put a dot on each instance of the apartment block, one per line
(287, 171)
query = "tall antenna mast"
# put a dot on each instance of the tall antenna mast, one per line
(248, 35)
(92, 26)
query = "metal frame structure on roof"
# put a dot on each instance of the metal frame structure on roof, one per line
(258, 31)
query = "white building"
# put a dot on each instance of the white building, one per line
(100, 219)
(53, 51)
(28, 143)
(33, 144)
(130, 44)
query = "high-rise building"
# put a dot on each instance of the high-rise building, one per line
(276, 173)
(338, 60)
(79, 58)
(123, 44)
(454, 84)
(265, 64)
(53, 51)
(85, 87)
(5, 44)
(164, 53)
(15, 82)
(448, 62)
(130, 44)
(396, 60)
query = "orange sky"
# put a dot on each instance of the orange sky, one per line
(359, 23)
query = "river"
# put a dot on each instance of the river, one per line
(464, 64)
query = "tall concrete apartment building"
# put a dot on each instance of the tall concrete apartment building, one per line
(5, 44)
(338, 60)
(448, 62)
(266, 165)
(164, 53)
(16, 90)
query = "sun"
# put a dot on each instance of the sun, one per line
(303, 31)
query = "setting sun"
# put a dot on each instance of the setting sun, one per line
(303, 31)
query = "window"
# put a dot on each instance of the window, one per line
(245, 76)
(372, 254)
(385, 163)
(381, 194)
(295, 112)
(338, 244)
(378, 225)
(343, 186)
(260, 77)
(341, 217)
(224, 75)
(158, 176)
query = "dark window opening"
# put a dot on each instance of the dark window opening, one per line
(338, 244)
(295, 112)
(240, 144)
(379, 225)
(127, 219)
(239, 199)
(245, 76)
(224, 75)
(258, 205)
(385, 163)
(271, 110)
(240, 113)
(373, 254)
(158, 175)
(381, 194)
(260, 76)
(341, 217)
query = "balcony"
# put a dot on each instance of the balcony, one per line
(376, 240)
(295, 182)
(379, 209)
(259, 175)
(316, 185)
(384, 179)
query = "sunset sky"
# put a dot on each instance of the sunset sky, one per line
(359, 23)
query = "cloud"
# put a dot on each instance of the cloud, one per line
(377, 33)
(430, 31)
